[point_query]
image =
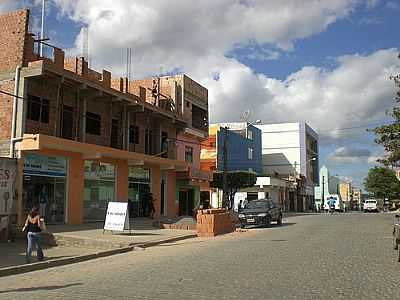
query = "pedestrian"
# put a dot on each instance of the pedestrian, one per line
(151, 204)
(240, 205)
(43, 199)
(32, 227)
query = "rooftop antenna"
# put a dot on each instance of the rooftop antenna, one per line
(128, 65)
(245, 116)
(85, 43)
(42, 27)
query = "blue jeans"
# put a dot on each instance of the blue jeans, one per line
(34, 238)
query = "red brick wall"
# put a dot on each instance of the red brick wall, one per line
(13, 34)
(6, 104)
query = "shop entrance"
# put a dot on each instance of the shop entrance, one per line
(186, 202)
(50, 188)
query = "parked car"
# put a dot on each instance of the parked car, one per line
(260, 212)
(371, 205)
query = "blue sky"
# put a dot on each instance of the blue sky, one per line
(324, 62)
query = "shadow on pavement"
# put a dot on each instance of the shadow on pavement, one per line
(273, 226)
(40, 288)
(137, 233)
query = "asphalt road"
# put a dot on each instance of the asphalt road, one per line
(346, 256)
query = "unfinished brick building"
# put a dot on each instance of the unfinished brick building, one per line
(85, 138)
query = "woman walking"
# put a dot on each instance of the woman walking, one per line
(32, 227)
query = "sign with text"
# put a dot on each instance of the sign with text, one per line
(8, 175)
(117, 217)
(35, 164)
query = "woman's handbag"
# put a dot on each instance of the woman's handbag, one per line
(42, 224)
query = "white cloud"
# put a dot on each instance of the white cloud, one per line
(393, 5)
(346, 154)
(7, 5)
(171, 31)
(372, 3)
(357, 91)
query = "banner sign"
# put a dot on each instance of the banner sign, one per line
(95, 170)
(35, 164)
(8, 175)
(117, 217)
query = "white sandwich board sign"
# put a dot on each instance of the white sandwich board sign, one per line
(117, 217)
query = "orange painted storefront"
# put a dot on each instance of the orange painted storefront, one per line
(76, 153)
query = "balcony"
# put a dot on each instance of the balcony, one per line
(195, 174)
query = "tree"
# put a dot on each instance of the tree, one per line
(389, 135)
(382, 183)
(236, 181)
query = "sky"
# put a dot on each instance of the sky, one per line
(324, 62)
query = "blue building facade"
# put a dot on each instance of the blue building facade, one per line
(243, 147)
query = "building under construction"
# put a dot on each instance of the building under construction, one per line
(84, 138)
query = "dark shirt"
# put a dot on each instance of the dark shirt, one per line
(33, 227)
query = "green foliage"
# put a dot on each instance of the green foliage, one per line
(389, 135)
(382, 183)
(235, 181)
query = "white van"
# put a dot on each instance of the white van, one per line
(370, 205)
(338, 202)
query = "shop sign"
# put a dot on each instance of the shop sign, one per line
(35, 164)
(139, 175)
(117, 217)
(95, 170)
(8, 175)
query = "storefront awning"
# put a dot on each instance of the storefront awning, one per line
(37, 142)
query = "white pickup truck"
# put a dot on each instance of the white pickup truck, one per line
(371, 205)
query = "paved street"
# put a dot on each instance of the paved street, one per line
(312, 257)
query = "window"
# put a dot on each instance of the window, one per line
(199, 118)
(93, 123)
(188, 154)
(67, 122)
(250, 153)
(187, 103)
(134, 134)
(249, 134)
(38, 109)
(164, 144)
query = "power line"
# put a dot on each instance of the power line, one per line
(12, 95)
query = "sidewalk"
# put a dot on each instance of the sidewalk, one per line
(77, 243)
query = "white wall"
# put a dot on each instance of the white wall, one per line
(280, 147)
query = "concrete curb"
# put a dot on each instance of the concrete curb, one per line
(14, 270)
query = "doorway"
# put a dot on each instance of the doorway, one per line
(162, 208)
(54, 188)
(186, 202)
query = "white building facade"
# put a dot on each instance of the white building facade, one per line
(327, 185)
(290, 150)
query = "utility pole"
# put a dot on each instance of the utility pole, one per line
(323, 192)
(42, 29)
(225, 162)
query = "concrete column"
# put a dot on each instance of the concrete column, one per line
(155, 174)
(76, 183)
(122, 181)
(19, 185)
(171, 194)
